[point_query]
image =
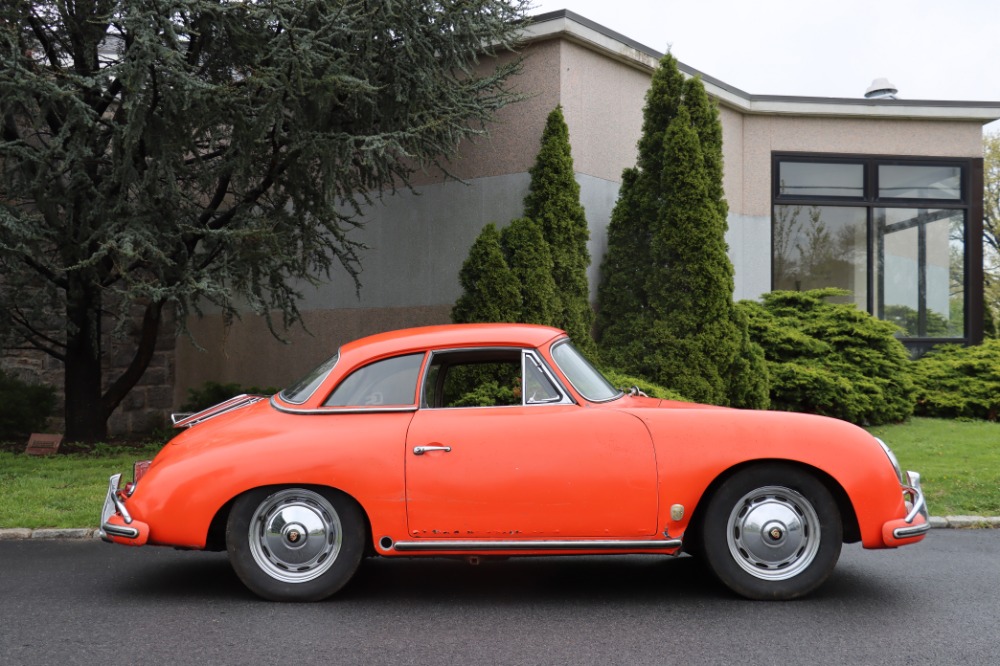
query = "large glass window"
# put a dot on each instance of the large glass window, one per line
(891, 231)
(921, 271)
(811, 179)
(897, 181)
(821, 246)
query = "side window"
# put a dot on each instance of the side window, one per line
(389, 382)
(487, 378)
(538, 389)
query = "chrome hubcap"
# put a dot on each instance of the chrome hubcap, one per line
(773, 533)
(295, 535)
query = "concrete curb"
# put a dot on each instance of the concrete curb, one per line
(965, 521)
(20, 533)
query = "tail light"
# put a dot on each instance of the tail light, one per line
(138, 471)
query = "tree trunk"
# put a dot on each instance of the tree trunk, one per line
(85, 418)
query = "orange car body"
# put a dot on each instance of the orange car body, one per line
(628, 474)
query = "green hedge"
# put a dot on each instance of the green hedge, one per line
(24, 408)
(626, 381)
(212, 393)
(831, 358)
(955, 381)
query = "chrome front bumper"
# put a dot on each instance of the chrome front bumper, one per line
(917, 507)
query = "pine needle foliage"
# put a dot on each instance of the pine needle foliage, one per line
(553, 201)
(959, 382)
(490, 291)
(198, 152)
(831, 358)
(529, 257)
(545, 251)
(665, 302)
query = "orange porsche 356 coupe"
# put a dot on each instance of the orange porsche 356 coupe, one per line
(501, 440)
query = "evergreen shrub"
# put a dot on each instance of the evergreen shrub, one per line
(553, 201)
(665, 302)
(490, 291)
(535, 270)
(24, 408)
(625, 381)
(831, 358)
(212, 393)
(959, 382)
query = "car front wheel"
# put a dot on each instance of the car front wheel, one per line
(295, 544)
(772, 532)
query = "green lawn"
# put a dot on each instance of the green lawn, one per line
(959, 462)
(62, 490)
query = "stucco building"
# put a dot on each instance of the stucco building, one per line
(882, 197)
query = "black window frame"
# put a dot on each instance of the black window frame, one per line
(970, 201)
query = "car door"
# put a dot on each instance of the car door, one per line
(544, 468)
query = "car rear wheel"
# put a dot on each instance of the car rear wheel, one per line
(772, 532)
(295, 544)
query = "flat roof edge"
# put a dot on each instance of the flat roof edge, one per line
(578, 29)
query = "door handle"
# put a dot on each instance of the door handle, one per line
(421, 450)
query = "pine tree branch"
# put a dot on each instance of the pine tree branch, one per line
(35, 338)
(148, 334)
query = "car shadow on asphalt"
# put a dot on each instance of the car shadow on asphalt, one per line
(536, 580)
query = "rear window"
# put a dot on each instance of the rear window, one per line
(391, 382)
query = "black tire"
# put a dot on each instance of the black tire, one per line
(295, 544)
(772, 531)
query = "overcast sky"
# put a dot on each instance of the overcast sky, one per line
(930, 49)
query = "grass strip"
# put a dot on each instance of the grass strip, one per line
(63, 491)
(958, 461)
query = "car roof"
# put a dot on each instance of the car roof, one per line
(452, 335)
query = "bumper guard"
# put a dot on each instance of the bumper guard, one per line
(117, 525)
(912, 525)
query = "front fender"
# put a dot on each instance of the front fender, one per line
(695, 447)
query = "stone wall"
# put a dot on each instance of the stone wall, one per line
(145, 409)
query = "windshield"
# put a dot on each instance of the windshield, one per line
(300, 391)
(581, 374)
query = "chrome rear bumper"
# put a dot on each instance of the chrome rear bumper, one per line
(115, 518)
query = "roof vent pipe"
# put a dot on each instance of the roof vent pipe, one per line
(881, 89)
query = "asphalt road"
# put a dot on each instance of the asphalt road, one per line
(85, 602)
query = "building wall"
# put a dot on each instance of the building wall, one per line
(749, 141)
(602, 101)
(418, 240)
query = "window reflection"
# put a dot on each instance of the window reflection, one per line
(919, 182)
(921, 273)
(821, 246)
(895, 240)
(391, 382)
(817, 179)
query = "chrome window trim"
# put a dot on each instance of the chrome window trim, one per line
(564, 396)
(340, 410)
(566, 399)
